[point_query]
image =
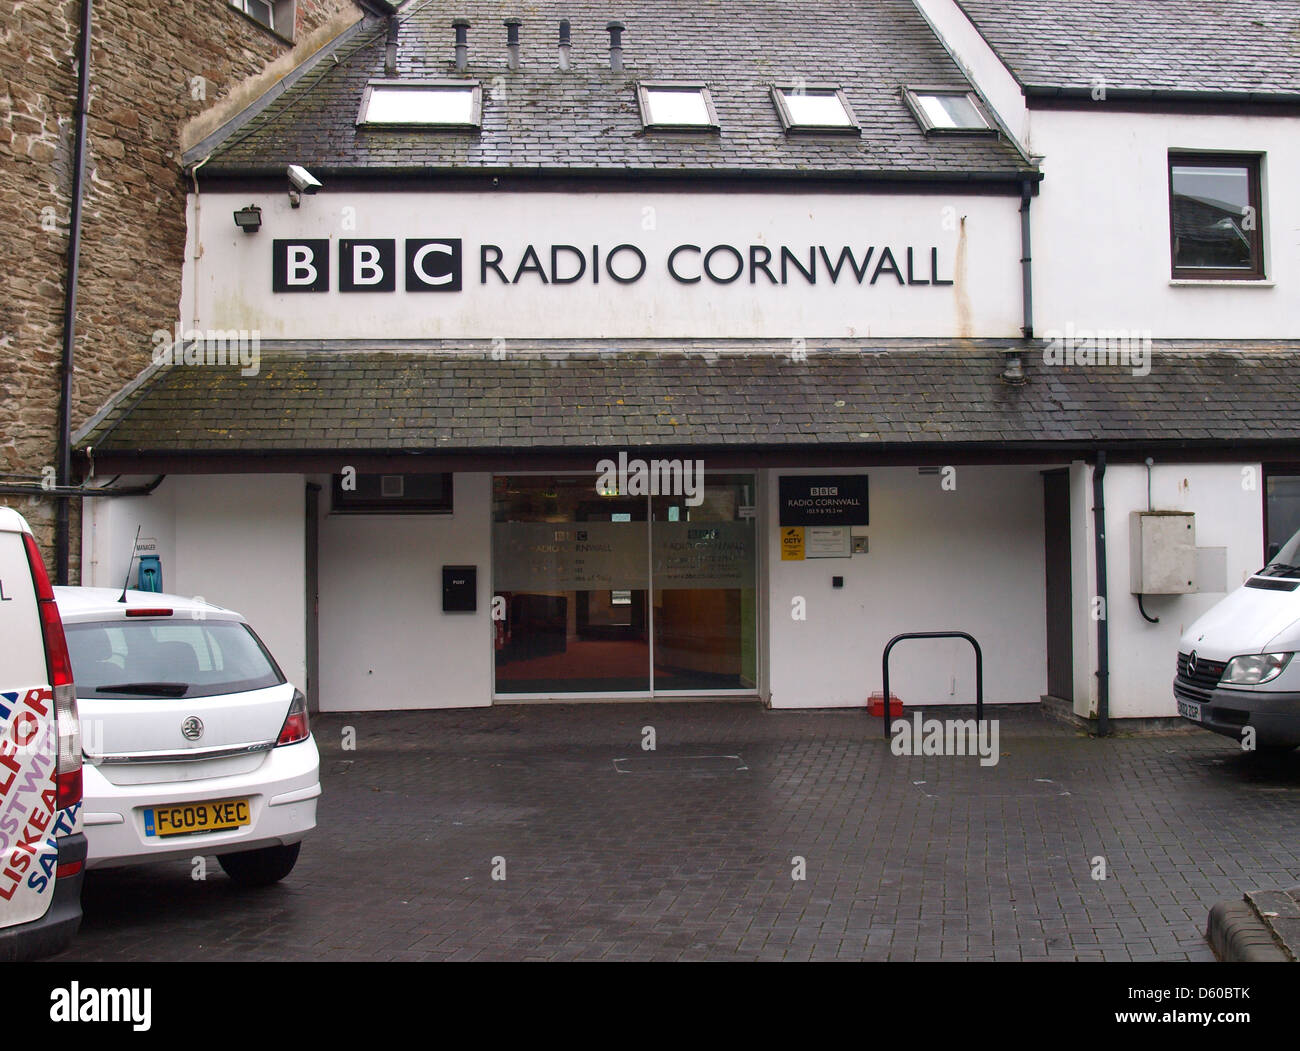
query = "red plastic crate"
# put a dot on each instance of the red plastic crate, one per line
(876, 704)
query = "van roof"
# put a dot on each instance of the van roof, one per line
(12, 522)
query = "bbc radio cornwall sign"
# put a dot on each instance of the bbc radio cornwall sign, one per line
(552, 265)
(437, 264)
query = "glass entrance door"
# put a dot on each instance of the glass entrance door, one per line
(598, 592)
(570, 568)
(703, 589)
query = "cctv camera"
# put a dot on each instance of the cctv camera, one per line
(302, 179)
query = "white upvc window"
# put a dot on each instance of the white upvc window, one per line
(276, 15)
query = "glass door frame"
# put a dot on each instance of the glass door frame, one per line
(652, 693)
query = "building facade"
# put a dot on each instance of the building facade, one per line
(657, 352)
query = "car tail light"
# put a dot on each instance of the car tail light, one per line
(67, 771)
(142, 611)
(295, 726)
(68, 868)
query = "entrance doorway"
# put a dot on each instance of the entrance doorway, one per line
(610, 593)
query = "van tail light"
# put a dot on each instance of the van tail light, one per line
(295, 726)
(67, 771)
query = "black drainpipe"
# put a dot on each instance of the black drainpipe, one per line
(1026, 261)
(1103, 634)
(63, 471)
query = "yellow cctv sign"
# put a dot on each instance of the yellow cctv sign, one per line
(792, 543)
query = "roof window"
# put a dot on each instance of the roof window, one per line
(676, 106)
(813, 107)
(939, 110)
(422, 104)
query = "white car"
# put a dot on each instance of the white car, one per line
(194, 741)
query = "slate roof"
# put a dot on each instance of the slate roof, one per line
(1155, 47)
(587, 119)
(450, 396)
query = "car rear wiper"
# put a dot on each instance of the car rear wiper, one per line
(1278, 569)
(154, 689)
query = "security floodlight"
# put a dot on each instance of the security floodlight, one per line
(249, 219)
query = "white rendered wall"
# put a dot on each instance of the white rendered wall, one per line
(1101, 227)
(236, 540)
(385, 643)
(1229, 514)
(108, 532)
(1083, 585)
(967, 560)
(240, 542)
(977, 240)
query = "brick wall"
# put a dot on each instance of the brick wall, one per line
(156, 65)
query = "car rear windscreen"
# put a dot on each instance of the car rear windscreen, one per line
(199, 658)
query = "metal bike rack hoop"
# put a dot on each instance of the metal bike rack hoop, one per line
(979, 666)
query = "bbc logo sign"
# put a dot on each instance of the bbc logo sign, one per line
(432, 265)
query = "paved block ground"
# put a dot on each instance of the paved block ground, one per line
(687, 853)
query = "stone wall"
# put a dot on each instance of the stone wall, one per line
(156, 67)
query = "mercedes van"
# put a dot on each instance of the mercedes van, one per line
(1237, 672)
(42, 847)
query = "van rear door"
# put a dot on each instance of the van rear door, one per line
(28, 740)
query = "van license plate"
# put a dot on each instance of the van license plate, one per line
(188, 818)
(1188, 710)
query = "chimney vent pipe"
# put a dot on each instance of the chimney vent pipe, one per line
(616, 45)
(512, 42)
(566, 44)
(461, 25)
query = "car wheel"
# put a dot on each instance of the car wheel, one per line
(258, 868)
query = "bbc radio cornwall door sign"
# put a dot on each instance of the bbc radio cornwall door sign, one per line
(608, 265)
(823, 500)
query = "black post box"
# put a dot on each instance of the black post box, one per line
(459, 589)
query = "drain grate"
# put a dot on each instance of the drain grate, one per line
(681, 765)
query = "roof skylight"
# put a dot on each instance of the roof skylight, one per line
(422, 104)
(813, 107)
(947, 110)
(676, 106)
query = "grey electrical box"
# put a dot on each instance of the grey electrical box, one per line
(1162, 552)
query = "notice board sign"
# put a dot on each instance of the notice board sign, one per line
(823, 500)
(827, 542)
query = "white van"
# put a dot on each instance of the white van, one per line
(1237, 672)
(42, 847)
